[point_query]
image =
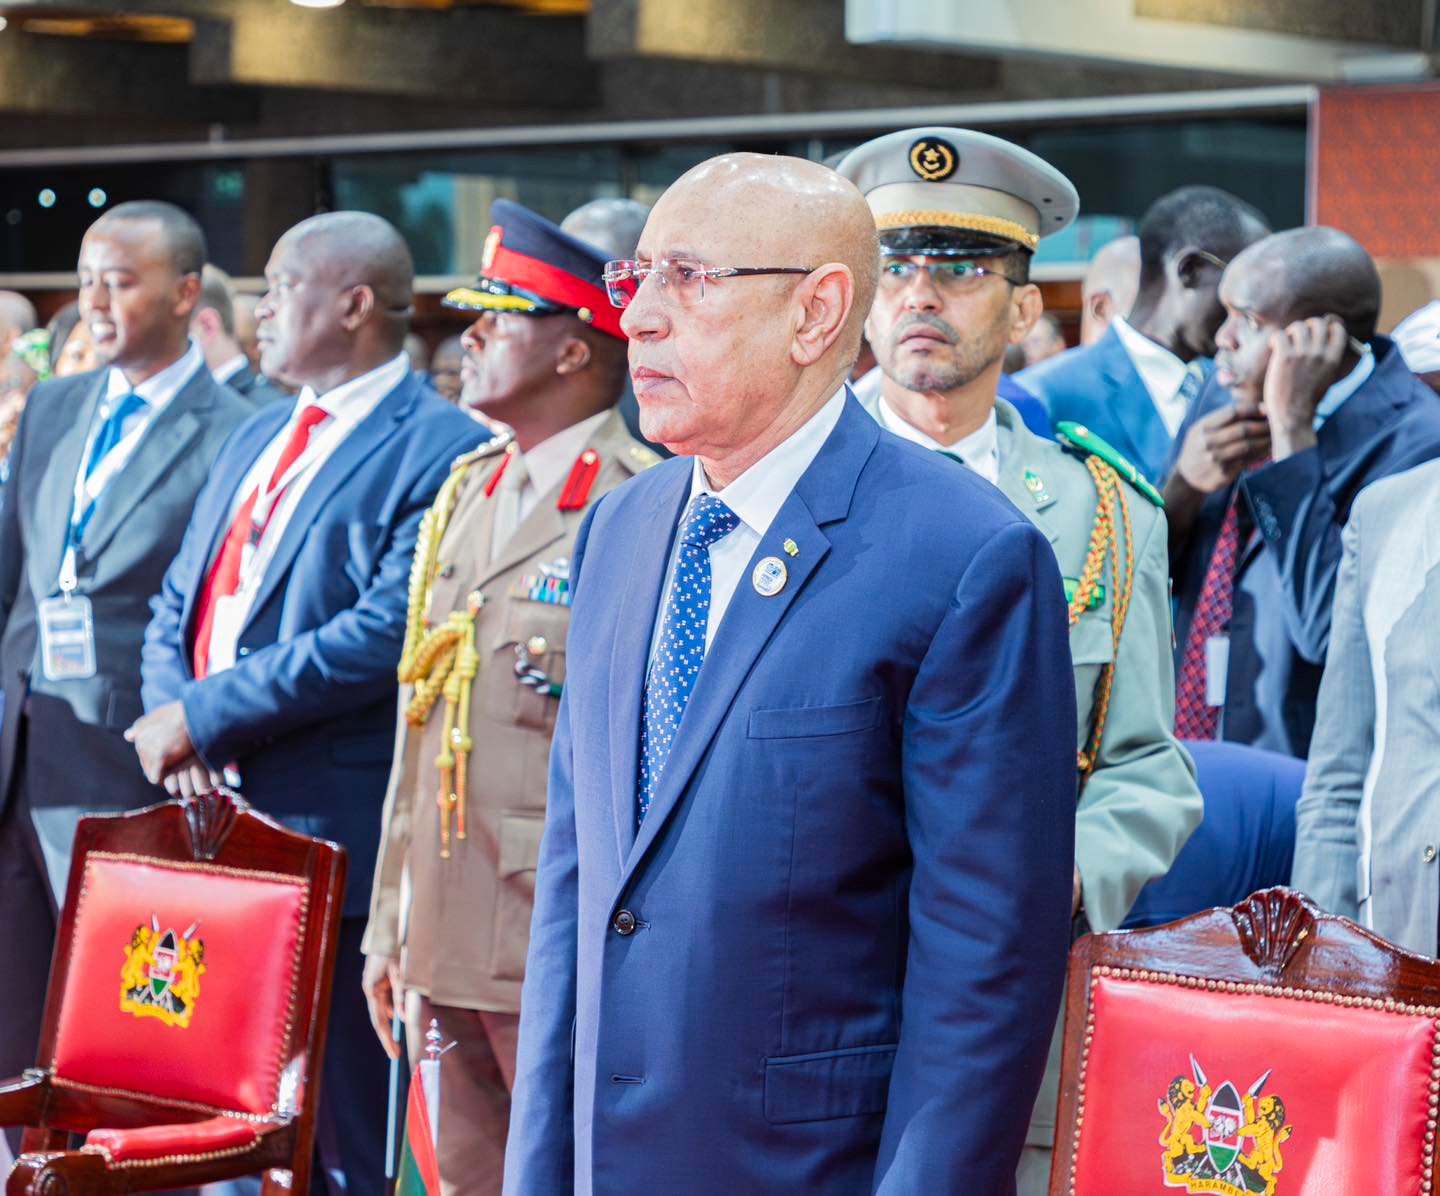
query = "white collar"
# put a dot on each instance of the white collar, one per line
(160, 388)
(359, 394)
(758, 494)
(980, 450)
(549, 462)
(1160, 370)
(226, 370)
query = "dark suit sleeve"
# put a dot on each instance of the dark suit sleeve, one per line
(1296, 514)
(990, 787)
(12, 543)
(540, 1154)
(345, 664)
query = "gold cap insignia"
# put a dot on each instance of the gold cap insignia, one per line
(933, 159)
(492, 243)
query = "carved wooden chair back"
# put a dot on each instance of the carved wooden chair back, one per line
(186, 1014)
(1271, 1048)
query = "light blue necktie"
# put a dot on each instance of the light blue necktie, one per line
(681, 650)
(112, 431)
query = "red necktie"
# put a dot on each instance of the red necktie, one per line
(1195, 718)
(224, 577)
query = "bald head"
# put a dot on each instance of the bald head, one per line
(613, 226)
(338, 304)
(1110, 285)
(780, 211)
(726, 366)
(1305, 272)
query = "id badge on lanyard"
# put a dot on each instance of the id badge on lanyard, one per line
(67, 628)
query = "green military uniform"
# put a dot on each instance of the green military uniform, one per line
(1139, 802)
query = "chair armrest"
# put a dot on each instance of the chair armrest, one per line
(188, 1142)
(22, 1099)
(156, 1157)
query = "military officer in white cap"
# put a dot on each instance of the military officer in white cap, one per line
(959, 215)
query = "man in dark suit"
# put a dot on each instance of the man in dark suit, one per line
(275, 639)
(1308, 407)
(781, 942)
(103, 473)
(1134, 385)
(213, 329)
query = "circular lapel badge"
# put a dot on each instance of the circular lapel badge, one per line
(769, 577)
(933, 159)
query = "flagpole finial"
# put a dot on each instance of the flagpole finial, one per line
(433, 1050)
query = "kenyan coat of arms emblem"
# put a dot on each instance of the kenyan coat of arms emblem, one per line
(161, 976)
(1218, 1141)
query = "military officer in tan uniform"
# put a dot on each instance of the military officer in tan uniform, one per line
(483, 668)
(959, 215)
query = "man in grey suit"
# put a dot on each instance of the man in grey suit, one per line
(212, 327)
(104, 471)
(1366, 834)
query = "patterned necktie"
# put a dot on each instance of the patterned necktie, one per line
(681, 650)
(1195, 718)
(507, 505)
(112, 431)
(224, 577)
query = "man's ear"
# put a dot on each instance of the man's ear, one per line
(187, 294)
(574, 355)
(1027, 305)
(823, 304)
(205, 323)
(1100, 304)
(1188, 266)
(357, 305)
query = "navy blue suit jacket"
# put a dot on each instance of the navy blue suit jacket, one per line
(308, 710)
(1098, 386)
(1032, 410)
(1246, 842)
(851, 895)
(1292, 515)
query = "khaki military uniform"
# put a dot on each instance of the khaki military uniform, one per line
(456, 910)
(1139, 800)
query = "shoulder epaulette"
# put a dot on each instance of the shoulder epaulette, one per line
(1077, 438)
(641, 456)
(496, 444)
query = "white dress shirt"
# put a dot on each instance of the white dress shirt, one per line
(756, 496)
(980, 450)
(226, 370)
(347, 405)
(1337, 396)
(157, 391)
(1162, 372)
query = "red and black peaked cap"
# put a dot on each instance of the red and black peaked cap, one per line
(532, 267)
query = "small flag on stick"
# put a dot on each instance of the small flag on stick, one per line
(419, 1166)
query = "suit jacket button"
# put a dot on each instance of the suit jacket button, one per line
(242, 652)
(624, 922)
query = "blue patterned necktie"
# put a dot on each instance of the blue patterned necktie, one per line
(112, 431)
(681, 650)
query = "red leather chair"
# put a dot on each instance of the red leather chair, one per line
(185, 1020)
(1270, 1048)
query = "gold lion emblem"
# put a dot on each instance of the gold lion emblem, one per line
(1218, 1141)
(161, 976)
(933, 159)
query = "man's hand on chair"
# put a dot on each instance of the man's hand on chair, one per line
(167, 755)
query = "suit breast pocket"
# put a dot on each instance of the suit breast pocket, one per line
(809, 722)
